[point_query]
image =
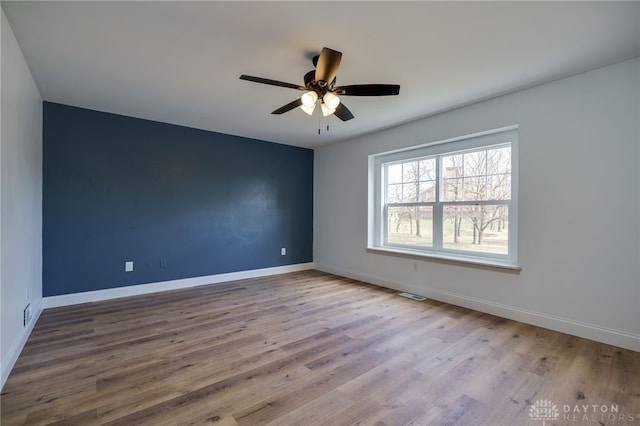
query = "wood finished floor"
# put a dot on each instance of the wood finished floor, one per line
(306, 348)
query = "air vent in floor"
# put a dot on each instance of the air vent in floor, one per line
(413, 296)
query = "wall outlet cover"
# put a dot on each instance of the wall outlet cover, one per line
(26, 315)
(128, 266)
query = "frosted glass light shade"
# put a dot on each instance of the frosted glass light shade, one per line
(331, 100)
(309, 99)
(308, 110)
(326, 110)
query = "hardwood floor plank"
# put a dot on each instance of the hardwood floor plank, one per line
(316, 411)
(305, 348)
(279, 404)
(85, 418)
(359, 413)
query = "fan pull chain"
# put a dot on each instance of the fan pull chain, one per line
(320, 123)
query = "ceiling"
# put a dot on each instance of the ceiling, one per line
(179, 62)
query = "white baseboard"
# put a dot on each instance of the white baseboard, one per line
(576, 328)
(6, 365)
(113, 293)
(564, 325)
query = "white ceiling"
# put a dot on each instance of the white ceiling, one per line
(179, 62)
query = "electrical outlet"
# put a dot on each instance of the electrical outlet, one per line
(128, 266)
(26, 315)
(283, 251)
(163, 263)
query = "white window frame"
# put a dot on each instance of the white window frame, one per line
(377, 219)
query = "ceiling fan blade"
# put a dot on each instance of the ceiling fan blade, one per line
(328, 64)
(271, 82)
(288, 107)
(343, 113)
(368, 90)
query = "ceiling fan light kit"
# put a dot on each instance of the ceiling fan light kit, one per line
(308, 110)
(331, 100)
(326, 111)
(320, 84)
(309, 99)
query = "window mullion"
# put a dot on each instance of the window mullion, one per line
(437, 208)
(476, 203)
(384, 225)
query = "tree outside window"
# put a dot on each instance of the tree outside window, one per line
(450, 201)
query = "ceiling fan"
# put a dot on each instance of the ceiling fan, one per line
(320, 87)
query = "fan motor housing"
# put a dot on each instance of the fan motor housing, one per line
(320, 87)
(309, 77)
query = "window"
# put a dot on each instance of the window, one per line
(454, 199)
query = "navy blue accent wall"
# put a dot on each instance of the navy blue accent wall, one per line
(178, 202)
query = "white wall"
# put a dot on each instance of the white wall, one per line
(21, 200)
(579, 233)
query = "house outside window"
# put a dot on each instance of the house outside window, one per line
(453, 199)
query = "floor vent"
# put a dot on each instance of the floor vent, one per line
(413, 296)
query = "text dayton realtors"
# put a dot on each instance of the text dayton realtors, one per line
(597, 413)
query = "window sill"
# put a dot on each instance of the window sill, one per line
(481, 263)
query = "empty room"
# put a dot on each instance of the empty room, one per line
(326, 213)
